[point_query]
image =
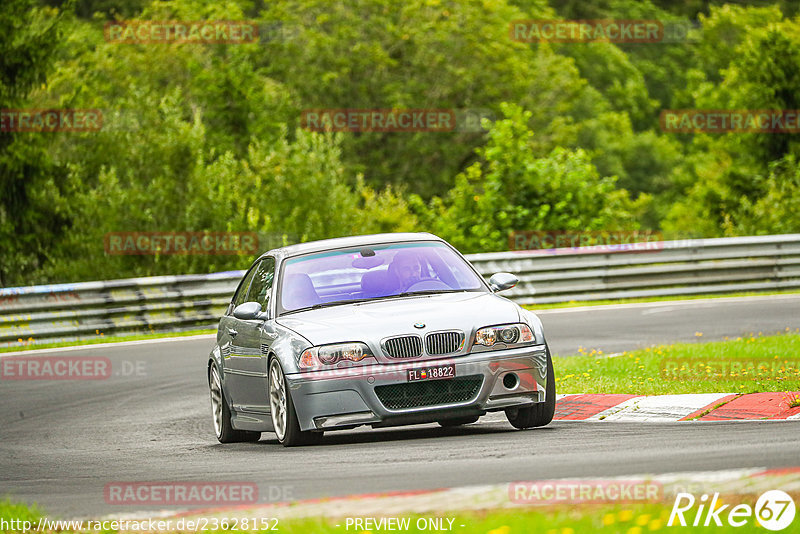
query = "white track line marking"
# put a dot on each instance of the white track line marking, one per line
(661, 303)
(658, 407)
(107, 345)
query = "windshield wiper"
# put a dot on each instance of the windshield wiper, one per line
(336, 303)
(427, 292)
(325, 305)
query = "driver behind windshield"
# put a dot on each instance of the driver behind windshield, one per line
(405, 269)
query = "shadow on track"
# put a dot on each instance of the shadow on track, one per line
(394, 434)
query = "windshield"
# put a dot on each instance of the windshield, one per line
(372, 272)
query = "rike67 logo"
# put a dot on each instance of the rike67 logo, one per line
(774, 510)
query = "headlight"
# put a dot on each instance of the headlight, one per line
(508, 334)
(330, 355)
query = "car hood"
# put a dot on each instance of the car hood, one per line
(372, 321)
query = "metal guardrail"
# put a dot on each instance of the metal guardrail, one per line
(66, 312)
(668, 268)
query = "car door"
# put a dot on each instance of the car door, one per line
(227, 332)
(247, 363)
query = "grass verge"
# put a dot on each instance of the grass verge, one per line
(637, 518)
(751, 364)
(563, 519)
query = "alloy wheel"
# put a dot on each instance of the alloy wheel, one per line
(277, 399)
(216, 400)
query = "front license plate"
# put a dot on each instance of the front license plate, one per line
(438, 372)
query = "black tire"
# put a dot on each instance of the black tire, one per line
(447, 423)
(539, 414)
(222, 421)
(292, 436)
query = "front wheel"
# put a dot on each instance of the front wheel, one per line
(284, 417)
(540, 413)
(222, 413)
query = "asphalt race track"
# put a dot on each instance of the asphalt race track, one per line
(624, 327)
(61, 442)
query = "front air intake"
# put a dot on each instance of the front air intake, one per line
(429, 392)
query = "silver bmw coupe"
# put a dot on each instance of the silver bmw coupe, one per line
(380, 330)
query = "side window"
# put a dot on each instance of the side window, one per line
(241, 292)
(261, 287)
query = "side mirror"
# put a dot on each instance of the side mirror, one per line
(249, 311)
(502, 281)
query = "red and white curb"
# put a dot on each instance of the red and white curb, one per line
(690, 407)
(746, 481)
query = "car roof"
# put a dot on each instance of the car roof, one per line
(351, 241)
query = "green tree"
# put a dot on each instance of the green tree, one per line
(736, 172)
(33, 211)
(423, 54)
(512, 189)
(775, 212)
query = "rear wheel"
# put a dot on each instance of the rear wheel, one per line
(222, 414)
(540, 413)
(446, 423)
(284, 417)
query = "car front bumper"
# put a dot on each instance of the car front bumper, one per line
(484, 381)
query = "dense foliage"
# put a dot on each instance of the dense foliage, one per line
(208, 137)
